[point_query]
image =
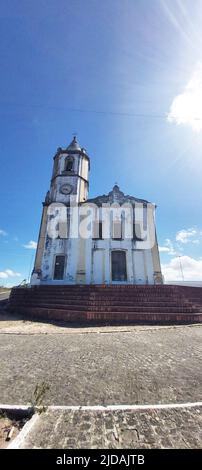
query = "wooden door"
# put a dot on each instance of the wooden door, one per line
(119, 272)
(59, 267)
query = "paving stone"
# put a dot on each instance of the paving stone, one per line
(119, 367)
(43, 434)
(138, 366)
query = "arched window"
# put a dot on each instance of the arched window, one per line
(69, 163)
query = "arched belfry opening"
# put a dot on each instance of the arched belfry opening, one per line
(69, 164)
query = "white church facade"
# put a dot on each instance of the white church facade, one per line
(110, 239)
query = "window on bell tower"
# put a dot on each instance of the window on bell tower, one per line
(69, 163)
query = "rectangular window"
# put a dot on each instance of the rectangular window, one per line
(117, 228)
(140, 227)
(97, 230)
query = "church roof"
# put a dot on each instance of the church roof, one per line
(73, 148)
(74, 145)
(116, 196)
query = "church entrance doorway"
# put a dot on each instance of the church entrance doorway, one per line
(119, 272)
(59, 267)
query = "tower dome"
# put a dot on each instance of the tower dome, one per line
(74, 146)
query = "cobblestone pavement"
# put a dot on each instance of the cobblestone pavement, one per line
(141, 366)
(170, 428)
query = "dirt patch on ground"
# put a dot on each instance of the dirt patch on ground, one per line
(11, 422)
(9, 429)
(15, 324)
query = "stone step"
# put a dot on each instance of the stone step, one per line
(95, 291)
(113, 290)
(115, 308)
(104, 291)
(121, 304)
(106, 317)
(112, 303)
(106, 303)
(92, 298)
(97, 297)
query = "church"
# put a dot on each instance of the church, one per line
(97, 259)
(109, 239)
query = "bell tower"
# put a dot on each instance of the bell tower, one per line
(70, 177)
(70, 174)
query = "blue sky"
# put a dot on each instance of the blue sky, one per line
(127, 77)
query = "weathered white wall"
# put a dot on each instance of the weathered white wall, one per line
(139, 267)
(98, 274)
(89, 261)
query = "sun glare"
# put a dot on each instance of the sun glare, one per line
(186, 107)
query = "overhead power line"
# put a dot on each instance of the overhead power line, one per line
(93, 111)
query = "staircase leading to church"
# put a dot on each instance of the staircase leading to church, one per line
(109, 304)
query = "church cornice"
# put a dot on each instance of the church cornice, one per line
(117, 196)
(68, 173)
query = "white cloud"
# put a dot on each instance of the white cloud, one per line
(192, 269)
(183, 236)
(2, 232)
(8, 273)
(187, 236)
(31, 245)
(191, 235)
(3, 275)
(186, 107)
(170, 248)
(163, 249)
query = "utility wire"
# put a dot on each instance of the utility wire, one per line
(94, 111)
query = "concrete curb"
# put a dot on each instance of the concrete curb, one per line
(124, 407)
(16, 407)
(18, 441)
(157, 406)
